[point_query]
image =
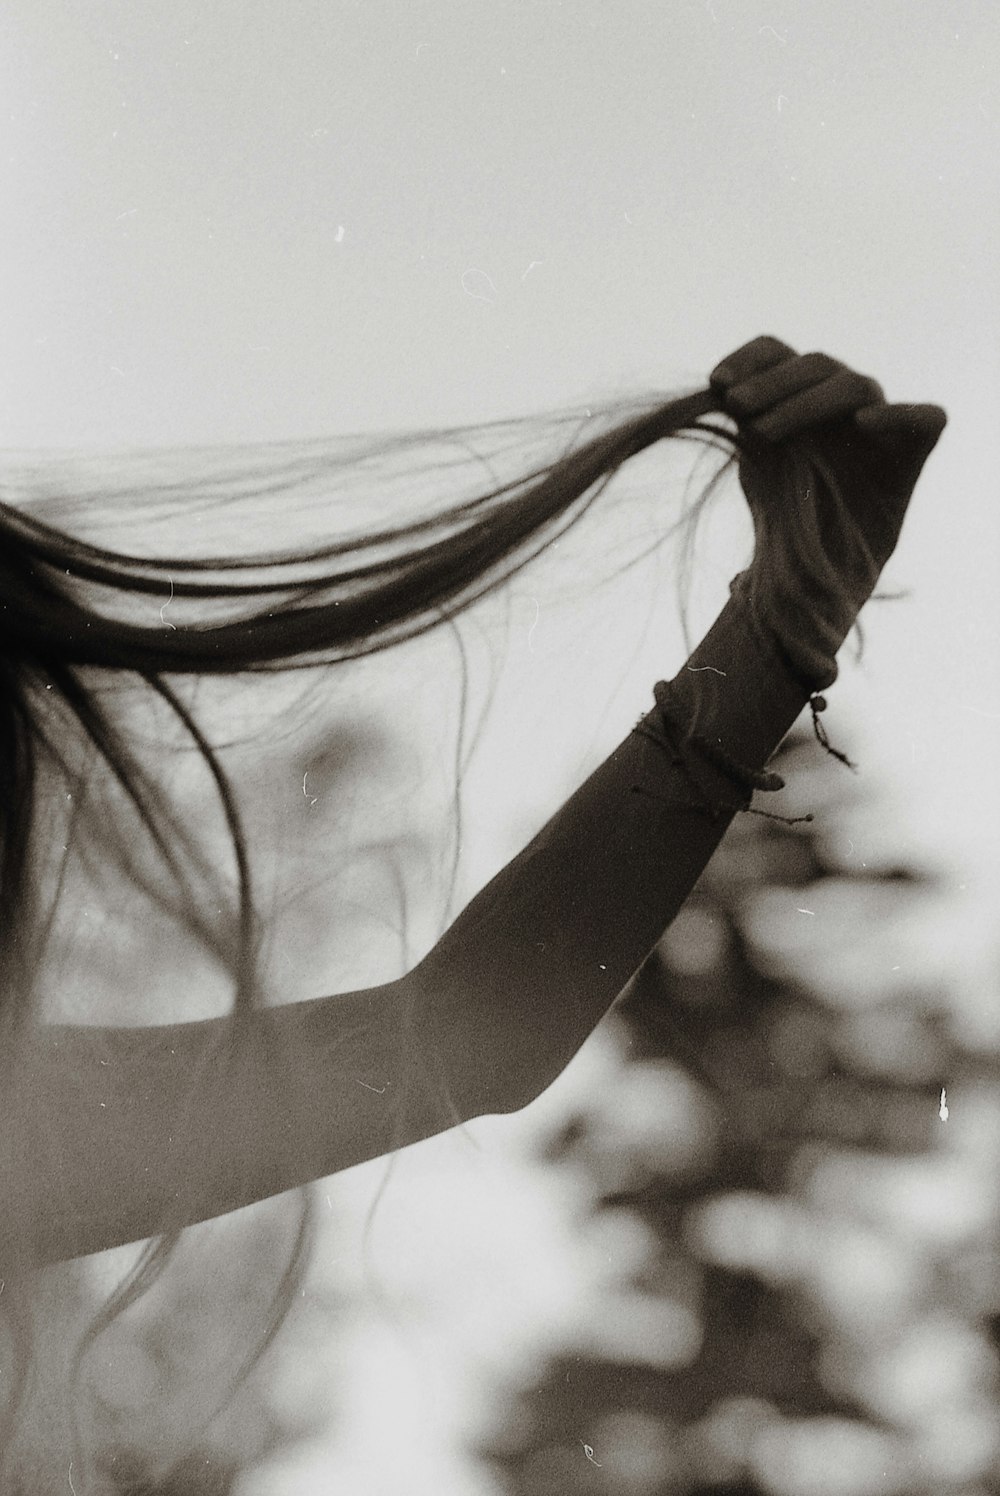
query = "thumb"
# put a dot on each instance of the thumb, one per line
(903, 435)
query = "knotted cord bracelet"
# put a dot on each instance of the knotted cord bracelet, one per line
(747, 779)
(810, 686)
(675, 737)
(817, 704)
(815, 700)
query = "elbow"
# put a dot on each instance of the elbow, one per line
(478, 1078)
(488, 1062)
(520, 1090)
(506, 1084)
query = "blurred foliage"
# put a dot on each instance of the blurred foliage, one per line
(794, 1174)
(811, 1297)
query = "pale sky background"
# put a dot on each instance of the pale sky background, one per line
(249, 220)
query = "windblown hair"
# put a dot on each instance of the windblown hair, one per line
(76, 615)
(71, 610)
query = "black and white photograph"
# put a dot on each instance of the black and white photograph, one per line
(499, 784)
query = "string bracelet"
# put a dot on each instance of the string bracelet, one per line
(817, 704)
(748, 779)
(675, 737)
(811, 685)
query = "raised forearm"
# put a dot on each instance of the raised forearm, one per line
(526, 972)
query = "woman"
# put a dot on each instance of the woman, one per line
(113, 1135)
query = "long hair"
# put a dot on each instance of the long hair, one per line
(71, 611)
(78, 616)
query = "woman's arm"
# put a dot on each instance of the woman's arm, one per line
(120, 1132)
(121, 1127)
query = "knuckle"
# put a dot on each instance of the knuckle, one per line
(771, 347)
(820, 365)
(737, 400)
(872, 390)
(750, 360)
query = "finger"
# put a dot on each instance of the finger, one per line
(843, 393)
(760, 353)
(752, 397)
(903, 427)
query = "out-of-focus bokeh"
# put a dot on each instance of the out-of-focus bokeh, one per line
(748, 1243)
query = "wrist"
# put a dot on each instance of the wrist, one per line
(737, 689)
(802, 638)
